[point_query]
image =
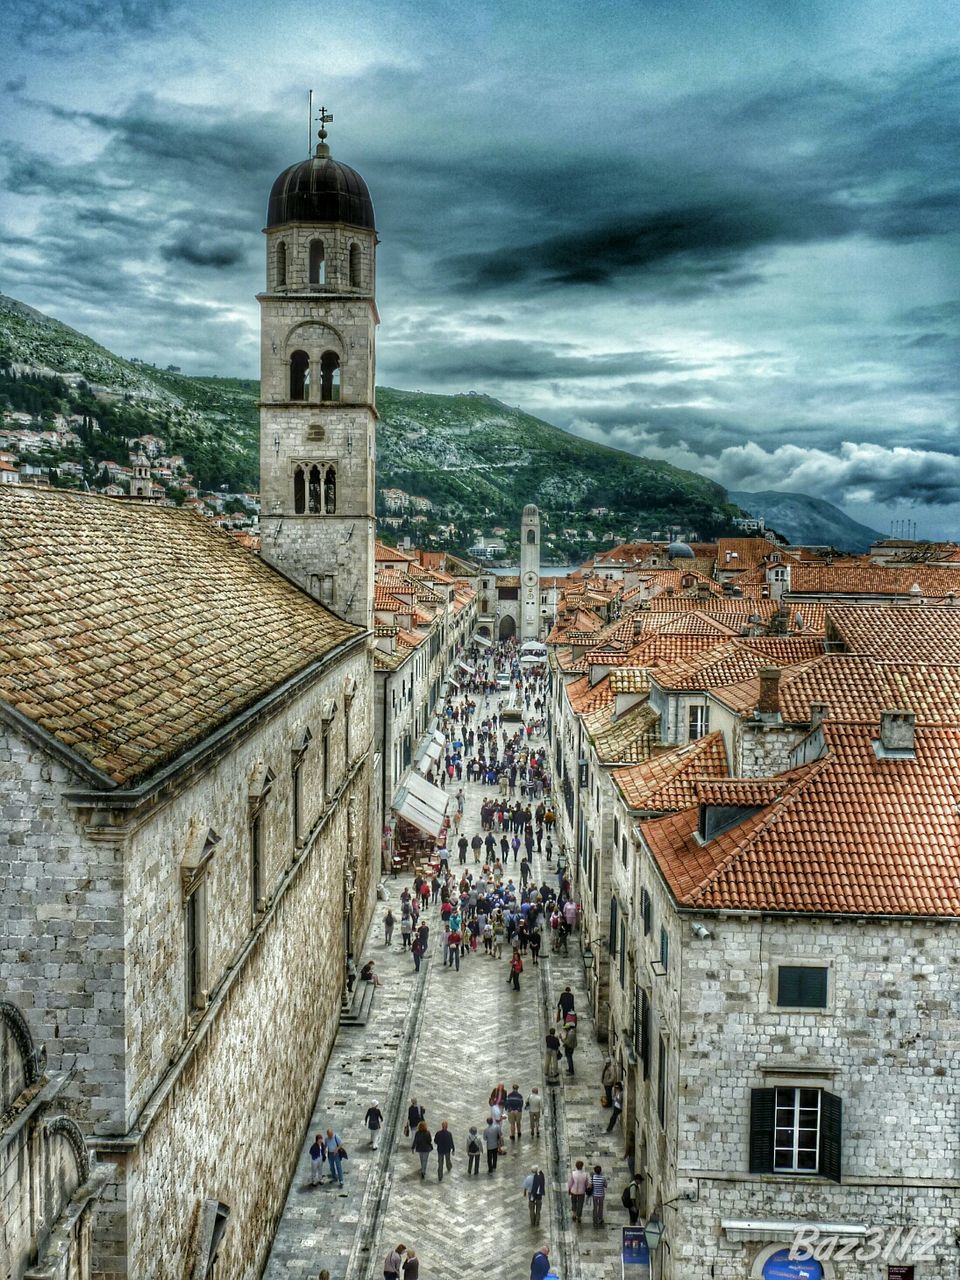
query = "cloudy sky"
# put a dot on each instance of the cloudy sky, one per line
(720, 232)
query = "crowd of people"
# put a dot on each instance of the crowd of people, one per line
(490, 907)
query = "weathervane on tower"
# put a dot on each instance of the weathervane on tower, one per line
(324, 118)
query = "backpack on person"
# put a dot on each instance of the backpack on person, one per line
(626, 1199)
(474, 1146)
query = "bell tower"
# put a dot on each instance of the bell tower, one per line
(318, 320)
(530, 573)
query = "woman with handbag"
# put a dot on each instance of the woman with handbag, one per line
(415, 1113)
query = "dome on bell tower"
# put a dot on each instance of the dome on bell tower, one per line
(320, 189)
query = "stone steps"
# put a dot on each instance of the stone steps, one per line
(357, 1012)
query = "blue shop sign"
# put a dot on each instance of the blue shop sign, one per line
(782, 1267)
(634, 1248)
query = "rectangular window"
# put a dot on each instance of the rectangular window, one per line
(614, 910)
(802, 986)
(646, 910)
(195, 948)
(796, 1130)
(623, 953)
(623, 850)
(256, 863)
(297, 795)
(796, 1145)
(698, 722)
(616, 832)
(325, 779)
(662, 1082)
(645, 1033)
(664, 947)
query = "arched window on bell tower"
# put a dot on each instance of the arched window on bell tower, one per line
(281, 265)
(299, 376)
(330, 491)
(316, 492)
(355, 266)
(329, 376)
(299, 492)
(531, 536)
(318, 265)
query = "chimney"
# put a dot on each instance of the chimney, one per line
(769, 701)
(703, 590)
(819, 711)
(897, 730)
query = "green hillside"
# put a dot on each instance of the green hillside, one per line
(478, 461)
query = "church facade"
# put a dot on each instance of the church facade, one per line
(186, 763)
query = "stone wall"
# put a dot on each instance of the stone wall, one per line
(61, 944)
(887, 1045)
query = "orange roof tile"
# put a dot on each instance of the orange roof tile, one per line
(850, 834)
(914, 633)
(666, 782)
(873, 579)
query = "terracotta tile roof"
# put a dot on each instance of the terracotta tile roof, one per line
(850, 834)
(388, 661)
(873, 579)
(584, 697)
(628, 740)
(739, 792)
(412, 639)
(914, 633)
(698, 624)
(381, 552)
(858, 688)
(735, 661)
(131, 632)
(629, 680)
(665, 783)
(745, 553)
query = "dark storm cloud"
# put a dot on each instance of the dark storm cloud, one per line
(519, 361)
(46, 25)
(202, 251)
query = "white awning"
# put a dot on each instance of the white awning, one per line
(440, 738)
(426, 819)
(471, 671)
(487, 644)
(421, 803)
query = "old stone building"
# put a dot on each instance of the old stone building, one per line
(49, 1184)
(186, 750)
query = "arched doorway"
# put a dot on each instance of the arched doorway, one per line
(484, 631)
(508, 628)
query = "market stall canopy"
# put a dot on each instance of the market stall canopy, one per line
(421, 803)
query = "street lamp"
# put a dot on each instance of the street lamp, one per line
(654, 1231)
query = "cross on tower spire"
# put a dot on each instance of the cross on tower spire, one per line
(324, 117)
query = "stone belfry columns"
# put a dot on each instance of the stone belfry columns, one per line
(530, 573)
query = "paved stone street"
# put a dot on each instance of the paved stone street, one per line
(447, 1037)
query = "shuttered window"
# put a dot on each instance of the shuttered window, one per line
(646, 910)
(645, 1033)
(802, 987)
(662, 1082)
(796, 1130)
(614, 911)
(623, 953)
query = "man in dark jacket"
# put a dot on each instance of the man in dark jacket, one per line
(540, 1263)
(514, 1109)
(443, 1141)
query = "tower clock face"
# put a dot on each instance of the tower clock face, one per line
(530, 578)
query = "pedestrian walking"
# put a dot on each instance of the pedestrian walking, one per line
(598, 1191)
(492, 1137)
(422, 1145)
(474, 1150)
(514, 1109)
(516, 968)
(393, 1262)
(318, 1154)
(616, 1106)
(569, 1044)
(411, 1267)
(551, 1056)
(565, 1004)
(351, 971)
(534, 1186)
(415, 1113)
(374, 1122)
(406, 929)
(389, 920)
(608, 1078)
(443, 1141)
(540, 1263)
(336, 1152)
(534, 1106)
(632, 1198)
(577, 1185)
